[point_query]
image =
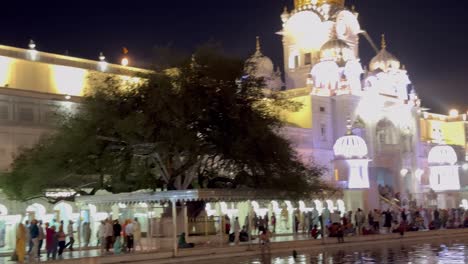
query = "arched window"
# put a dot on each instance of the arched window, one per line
(386, 133)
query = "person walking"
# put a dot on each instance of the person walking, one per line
(376, 218)
(41, 238)
(360, 219)
(21, 238)
(71, 237)
(27, 224)
(108, 233)
(61, 237)
(34, 236)
(296, 223)
(117, 232)
(51, 241)
(101, 234)
(388, 220)
(404, 217)
(87, 233)
(129, 236)
(370, 218)
(273, 222)
(137, 234)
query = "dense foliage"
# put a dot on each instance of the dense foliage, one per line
(200, 126)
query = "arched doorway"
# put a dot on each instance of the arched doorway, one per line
(386, 134)
(63, 212)
(35, 211)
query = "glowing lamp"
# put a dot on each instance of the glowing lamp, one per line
(125, 62)
(403, 172)
(454, 113)
(32, 45)
(465, 167)
(102, 64)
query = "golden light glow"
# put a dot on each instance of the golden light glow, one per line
(452, 133)
(454, 113)
(305, 3)
(68, 80)
(301, 118)
(125, 62)
(307, 30)
(5, 71)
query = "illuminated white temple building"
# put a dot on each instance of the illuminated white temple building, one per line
(391, 133)
(362, 120)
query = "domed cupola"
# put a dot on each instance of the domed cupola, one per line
(336, 50)
(351, 164)
(384, 60)
(442, 155)
(258, 64)
(350, 146)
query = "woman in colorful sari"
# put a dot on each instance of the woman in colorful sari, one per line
(21, 242)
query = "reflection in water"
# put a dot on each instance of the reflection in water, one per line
(424, 253)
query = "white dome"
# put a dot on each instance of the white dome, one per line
(350, 146)
(442, 155)
(259, 65)
(353, 69)
(326, 74)
(307, 30)
(384, 60)
(336, 50)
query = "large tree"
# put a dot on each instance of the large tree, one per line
(205, 124)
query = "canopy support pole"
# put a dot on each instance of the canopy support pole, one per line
(79, 227)
(174, 228)
(249, 224)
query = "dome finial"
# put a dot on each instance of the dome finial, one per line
(384, 42)
(258, 46)
(32, 44)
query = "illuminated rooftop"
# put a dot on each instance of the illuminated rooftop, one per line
(64, 60)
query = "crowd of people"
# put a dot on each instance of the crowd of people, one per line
(31, 235)
(391, 221)
(339, 225)
(117, 237)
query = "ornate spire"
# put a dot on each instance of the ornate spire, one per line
(383, 42)
(285, 14)
(258, 47)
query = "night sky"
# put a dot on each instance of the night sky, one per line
(430, 37)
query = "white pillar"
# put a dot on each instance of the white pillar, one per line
(79, 227)
(221, 227)
(249, 208)
(185, 217)
(174, 227)
(149, 235)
